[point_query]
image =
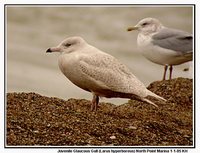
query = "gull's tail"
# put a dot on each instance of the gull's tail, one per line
(149, 93)
(148, 101)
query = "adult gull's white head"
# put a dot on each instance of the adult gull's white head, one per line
(147, 25)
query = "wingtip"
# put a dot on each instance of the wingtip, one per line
(150, 102)
(156, 96)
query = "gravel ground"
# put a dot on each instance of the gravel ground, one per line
(33, 119)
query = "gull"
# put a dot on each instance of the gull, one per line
(162, 45)
(98, 72)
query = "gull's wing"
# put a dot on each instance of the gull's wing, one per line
(173, 39)
(104, 71)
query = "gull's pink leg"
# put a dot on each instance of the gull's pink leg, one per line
(95, 101)
(170, 72)
(165, 71)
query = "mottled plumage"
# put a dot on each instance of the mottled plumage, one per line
(98, 72)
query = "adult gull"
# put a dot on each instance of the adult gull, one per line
(162, 45)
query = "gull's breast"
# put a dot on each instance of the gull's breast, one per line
(70, 67)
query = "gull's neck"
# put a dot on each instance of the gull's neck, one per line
(145, 37)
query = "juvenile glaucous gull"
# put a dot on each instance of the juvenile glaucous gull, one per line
(98, 72)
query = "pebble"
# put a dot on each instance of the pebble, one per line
(112, 137)
(132, 127)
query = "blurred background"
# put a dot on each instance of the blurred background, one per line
(31, 30)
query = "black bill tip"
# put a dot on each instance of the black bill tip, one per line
(48, 50)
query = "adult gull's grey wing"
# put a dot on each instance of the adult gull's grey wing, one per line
(173, 39)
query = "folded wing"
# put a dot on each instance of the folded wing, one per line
(173, 39)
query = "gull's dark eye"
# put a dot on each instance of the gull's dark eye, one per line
(145, 23)
(67, 45)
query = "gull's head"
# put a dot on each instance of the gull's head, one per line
(68, 45)
(147, 25)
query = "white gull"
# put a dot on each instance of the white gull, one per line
(98, 72)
